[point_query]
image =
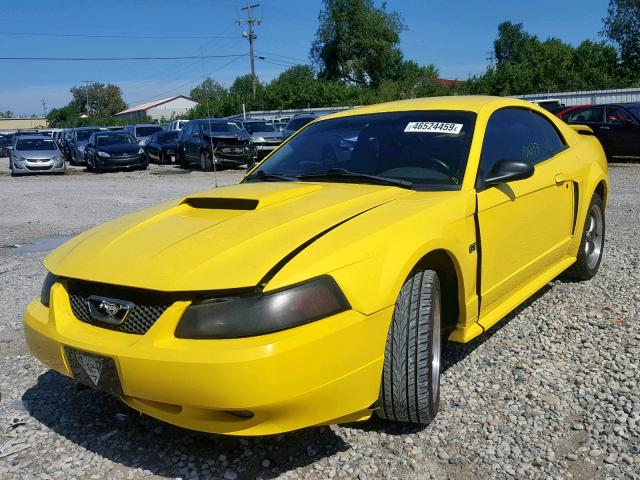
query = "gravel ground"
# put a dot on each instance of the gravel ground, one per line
(551, 392)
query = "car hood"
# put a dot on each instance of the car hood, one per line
(221, 239)
(227, 136)
(120, 148)
(37, 154)
(277, 135)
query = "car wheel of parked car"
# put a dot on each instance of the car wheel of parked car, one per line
(205, 162)
(591, 244)
(410, 389)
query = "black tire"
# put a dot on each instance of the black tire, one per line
(410, 388)
(591, 243)
(206, 164)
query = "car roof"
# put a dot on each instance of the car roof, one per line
(33, 137)
(470, 103)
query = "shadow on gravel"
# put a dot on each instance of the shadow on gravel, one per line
(101, 424)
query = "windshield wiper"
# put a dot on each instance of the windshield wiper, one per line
(341, 172)
(261, 175)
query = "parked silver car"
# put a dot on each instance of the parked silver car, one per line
(35, 154)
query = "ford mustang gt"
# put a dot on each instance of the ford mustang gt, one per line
(322, 287)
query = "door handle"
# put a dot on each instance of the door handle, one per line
(560, 178)
(604, 127)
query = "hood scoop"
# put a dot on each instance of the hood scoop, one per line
(221, 203)
(249, 196)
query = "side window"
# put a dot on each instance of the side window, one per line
(588, 115)
(551, 140)
(618, 116)
(185, 133)
(516, 134)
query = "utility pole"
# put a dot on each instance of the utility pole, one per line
(490, 58)
(87, 83)
(251, 36)
(44, 107)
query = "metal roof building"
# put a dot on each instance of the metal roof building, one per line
(165, 108)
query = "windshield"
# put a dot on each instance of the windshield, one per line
(35, 144)
(83, 135)
(120, 138)
(259, 127)
(146, 131)
(298, 123)
(220, 127)
(423, 147)
(167, 137)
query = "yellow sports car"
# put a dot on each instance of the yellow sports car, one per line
(322, 287)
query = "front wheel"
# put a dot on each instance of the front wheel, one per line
(410, 388)
(591, 244)
(206, 164)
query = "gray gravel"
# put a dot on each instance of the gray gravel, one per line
(552, 392)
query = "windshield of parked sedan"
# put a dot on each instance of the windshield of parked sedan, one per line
(83, 135)
(146, 131)
(422, 147)
(298, 123)
(167, 137)
(220, 127)
(259, 127)
(105, 140)
(35, 144)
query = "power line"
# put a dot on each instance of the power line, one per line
(116, 59)
(188, 83)
(112, 35)
(282, 56)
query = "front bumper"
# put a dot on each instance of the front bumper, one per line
(327, 371)
(122, 162)
(24, 167)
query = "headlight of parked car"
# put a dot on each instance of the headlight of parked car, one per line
(45, 293)
(18, 157)
(103, 154)
(237, 317)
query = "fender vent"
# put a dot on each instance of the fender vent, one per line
(221, 203)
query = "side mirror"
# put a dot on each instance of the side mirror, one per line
(508, 171)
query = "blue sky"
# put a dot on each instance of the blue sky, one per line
(454, 35)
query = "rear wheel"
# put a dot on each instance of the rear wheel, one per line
(591, 244)
(410, 388)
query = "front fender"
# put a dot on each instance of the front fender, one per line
(371, 255)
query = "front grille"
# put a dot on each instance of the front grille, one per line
(141, 317)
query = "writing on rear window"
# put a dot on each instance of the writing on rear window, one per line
(433, 127)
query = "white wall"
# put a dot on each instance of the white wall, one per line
(179, 106)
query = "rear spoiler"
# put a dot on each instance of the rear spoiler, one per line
(582, 129)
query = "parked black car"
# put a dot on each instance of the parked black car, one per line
(162, 147)
(5, 141)
(214, 141)
(113, 150)
(617, 126)
(296, 123)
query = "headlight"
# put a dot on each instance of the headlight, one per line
(104, 154)
(142, 143)
(141, 151)
(18, 157)
(45, 293)
(237, 317)
(257, 139)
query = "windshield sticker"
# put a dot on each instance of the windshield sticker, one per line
(434, 127)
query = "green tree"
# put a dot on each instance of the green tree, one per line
(209, 91)
(104, 100)
(357, 42)
(6, 114)
(622, 26)
(512, 44)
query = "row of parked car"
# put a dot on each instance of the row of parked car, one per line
(206, 143)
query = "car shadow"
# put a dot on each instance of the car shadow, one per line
(101, 424)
